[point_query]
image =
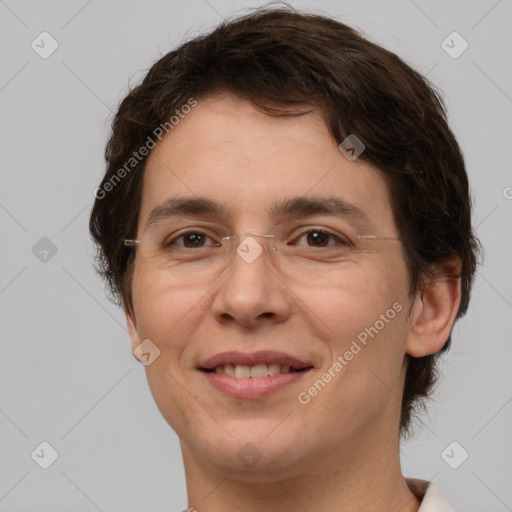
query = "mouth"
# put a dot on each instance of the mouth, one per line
(257, 371)
(253, 375)
(257, 365)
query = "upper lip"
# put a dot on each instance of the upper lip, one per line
(242, 358)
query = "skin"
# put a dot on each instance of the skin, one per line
(341, 450)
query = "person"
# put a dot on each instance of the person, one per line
(285, 219)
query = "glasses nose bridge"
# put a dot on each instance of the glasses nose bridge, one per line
(250, 245)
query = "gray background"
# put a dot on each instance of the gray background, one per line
(67, 375)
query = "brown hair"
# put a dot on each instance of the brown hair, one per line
(283, 60)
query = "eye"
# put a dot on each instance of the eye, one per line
(322, 238)
(190, 240)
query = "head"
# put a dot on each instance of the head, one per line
(251, 114)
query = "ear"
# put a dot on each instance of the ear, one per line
(132, 330)
(434, 310)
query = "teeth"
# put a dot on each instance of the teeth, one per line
(274, 369)
(259, 370)
(241, 371)
(229, 369)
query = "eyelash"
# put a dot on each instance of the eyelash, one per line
(341, 241)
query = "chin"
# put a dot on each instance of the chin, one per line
(251, 452)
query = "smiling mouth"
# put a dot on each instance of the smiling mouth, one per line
(257, 371)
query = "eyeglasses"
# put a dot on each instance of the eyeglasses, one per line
(200, 254)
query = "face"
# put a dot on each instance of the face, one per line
(344, 325)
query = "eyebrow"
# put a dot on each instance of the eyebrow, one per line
(193, 206)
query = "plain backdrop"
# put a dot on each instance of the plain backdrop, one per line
(67, 375)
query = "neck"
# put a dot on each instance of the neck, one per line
(360, 477)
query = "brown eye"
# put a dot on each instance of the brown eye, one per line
(189, 240)
(321, 238)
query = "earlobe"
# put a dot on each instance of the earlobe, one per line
(435, 309)
(132, 330)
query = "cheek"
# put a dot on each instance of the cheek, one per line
(166, 316)
(168, 319)
(364, 321)
(363, 367)
(356, 299)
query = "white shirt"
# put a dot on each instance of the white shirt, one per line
(431, 499)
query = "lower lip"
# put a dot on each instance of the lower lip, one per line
(252, 387)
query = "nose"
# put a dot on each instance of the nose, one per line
(251, 291)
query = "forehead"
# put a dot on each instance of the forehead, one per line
(248, 162)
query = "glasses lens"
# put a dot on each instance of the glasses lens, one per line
(201, 254)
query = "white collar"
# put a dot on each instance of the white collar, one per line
(431, 499)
